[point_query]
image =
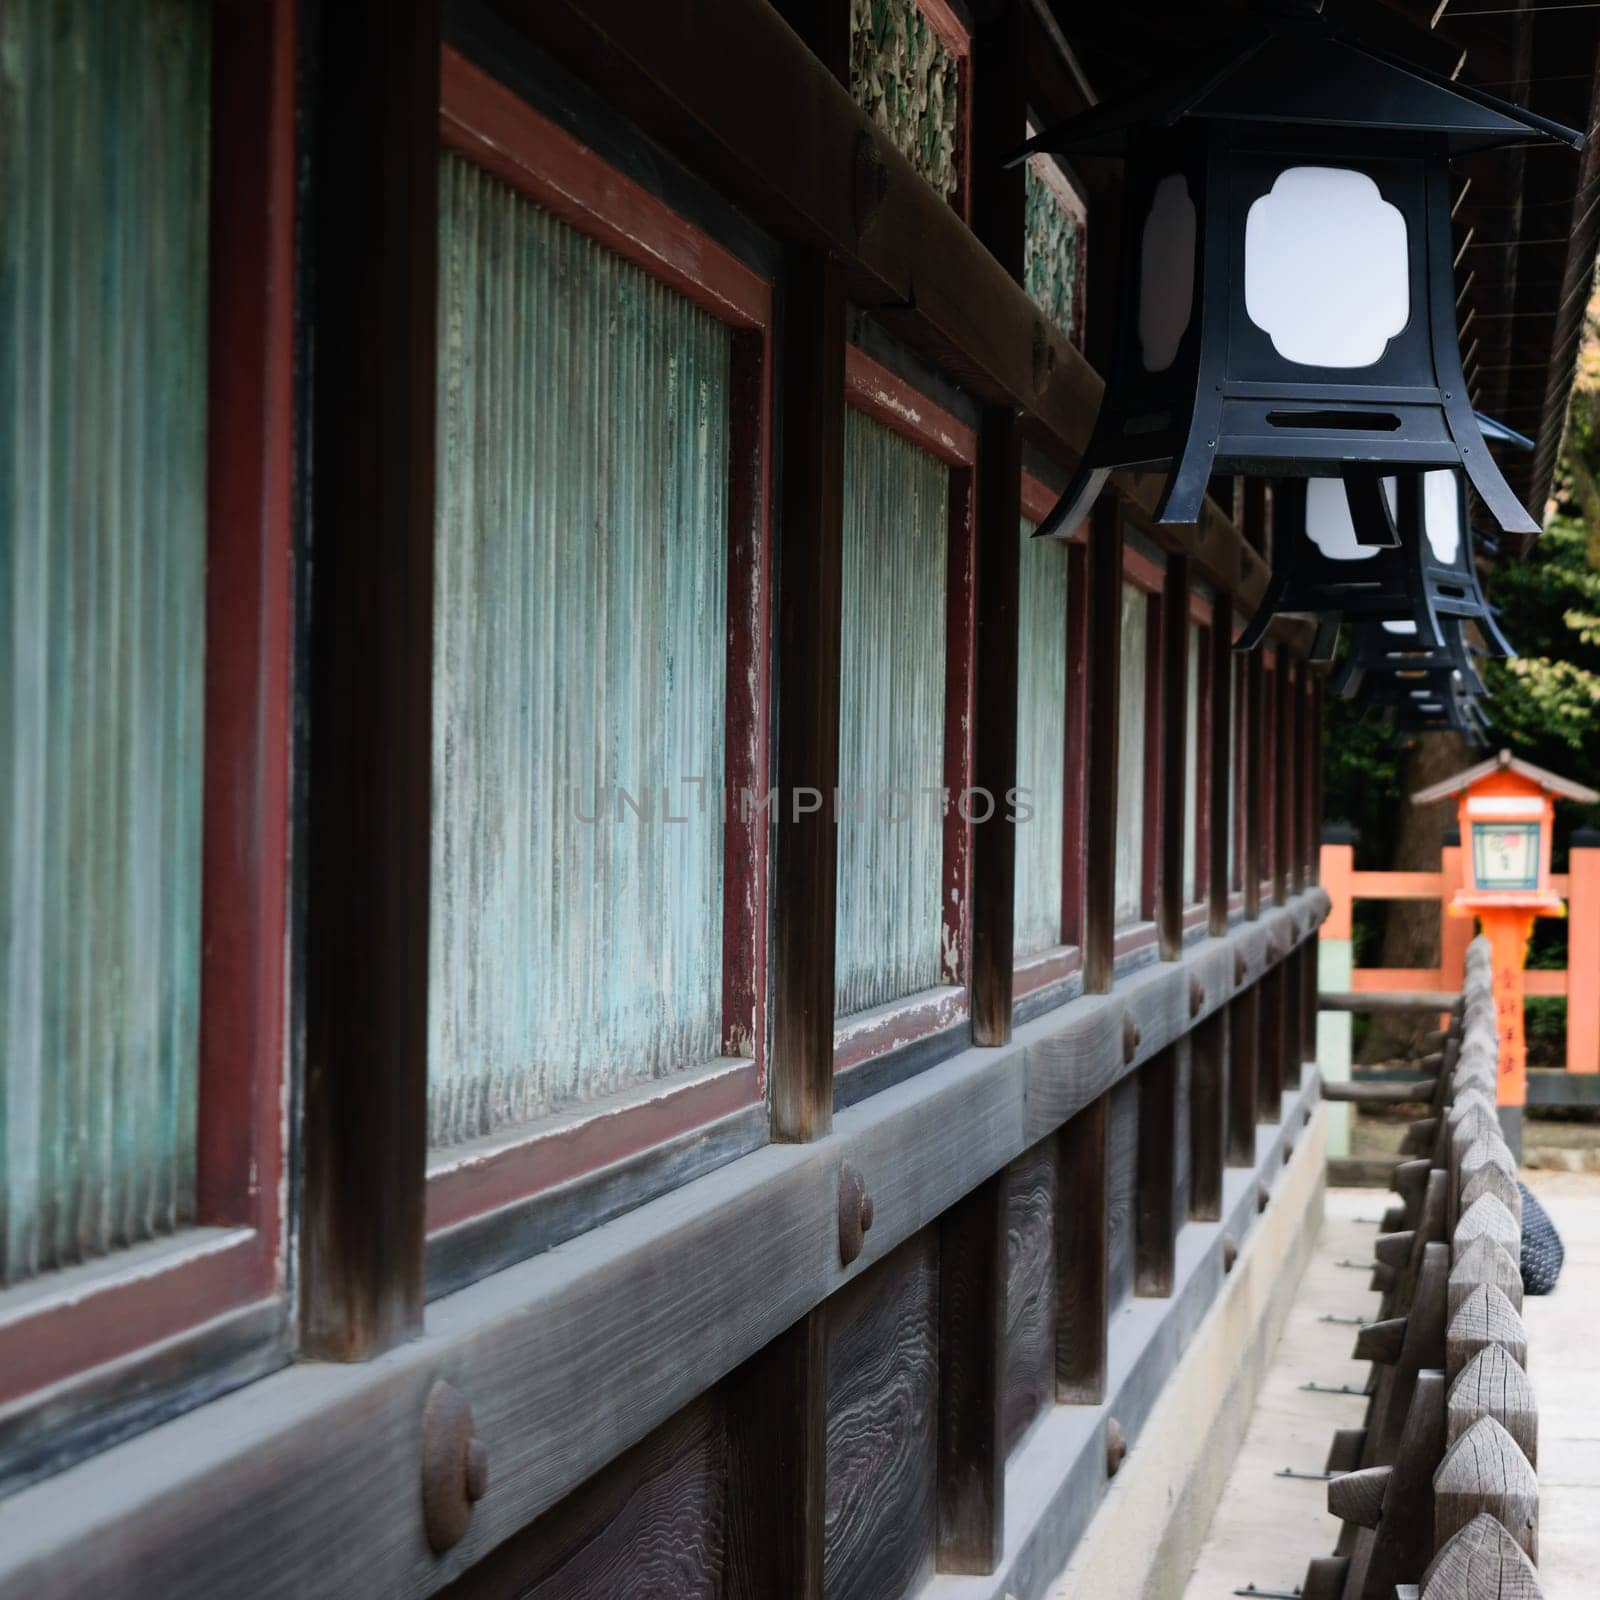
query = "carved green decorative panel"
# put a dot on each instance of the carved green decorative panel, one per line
(908, 81)
(1053, 247)
(104, 138)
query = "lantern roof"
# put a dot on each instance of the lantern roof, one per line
(1300, 71)
(1561, 788)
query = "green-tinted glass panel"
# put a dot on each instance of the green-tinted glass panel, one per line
(1132, 711)
(1191, 770)
(580, 639)
(104, 116)
(891, 721)
(1041, 741)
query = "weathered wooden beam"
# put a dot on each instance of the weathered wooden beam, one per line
(1373, 1000)
(1082, 1255)
(1355, 1092)
(970, 1479)
(809, 561)
(1402, 1540)
(372, 250)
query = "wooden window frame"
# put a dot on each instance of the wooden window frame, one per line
(487, 123)
(1196, 912)
(1061, 961)
(61, 1324)
(876, 392)
(1150, 577)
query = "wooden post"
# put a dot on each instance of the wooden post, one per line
(1174, 823)
(1583, 954)
(1484, 1471)
(1208, 1115)
(1105, 656)
(809, 565)
(1480, 1562)
(1283, 777)
(1082, 1255)
(373, 250)
(1269, 1053)
(1244, 1036)
(777, 1428)
(972, 1463)
(1156, 1176)
(1222, 763)
(999, 125)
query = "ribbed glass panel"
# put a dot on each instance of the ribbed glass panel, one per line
(1132, 711)
(891, 719)
(1041, 741)
(1191, 771)
(1235, 777)
(580, 639)
(104, 115)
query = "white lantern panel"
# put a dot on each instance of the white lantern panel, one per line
(1408, 628)
(1328, 522)
(1166, 273)
(1326, 267)
(1441, 515)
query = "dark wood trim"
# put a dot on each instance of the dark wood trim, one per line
(1158, 758)
(1156, 1176)
(373, 252)
(1173, 822)
(1083, 1254)
(1222, 768)
(1104, 651)
(1244, 1041)
(1254, 783)
(971, 1470)
(1208, 1114)
(1075, 815)
(824, 25)
(777, 1429)
(993, 82)
(808, 564)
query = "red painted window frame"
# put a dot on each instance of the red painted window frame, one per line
(1045, 967)
(876, 392)
(1150, 577)
(1202, 617)
(49, 1337)
(489, 124)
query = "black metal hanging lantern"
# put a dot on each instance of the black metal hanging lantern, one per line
(1288, 298)
(1397, 549)
(1380, 650)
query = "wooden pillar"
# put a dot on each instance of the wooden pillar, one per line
(1293, 993)
(1319, 695)
(1105, 661)
(809, 562)
(1174, 822)
(1208, 1115)
(999, 125)
(971, 1476)
(1254, 783)
(1244, 1039)
(1282, 777)
(373, 250)
(1082, 1255)
(777, 1428)
(1156, 1176)
(1222, 763)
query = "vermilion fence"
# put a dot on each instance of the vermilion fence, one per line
(1579, 886)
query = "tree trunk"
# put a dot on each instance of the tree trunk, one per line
(1411, 927)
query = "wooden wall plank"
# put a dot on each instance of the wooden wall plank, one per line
(882, 1426)
(654, 1522)
(1082, 1236)
(1029, 1384)
(972, 1318)
(806, 715)
(1155, 1174)
(1208, 1115)
(373, 253)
